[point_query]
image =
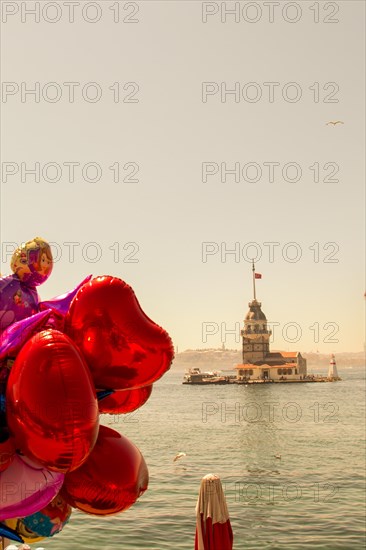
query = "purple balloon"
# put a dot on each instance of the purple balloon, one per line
(26, 488)
(15, 336)
(61, 304)
(18, 300)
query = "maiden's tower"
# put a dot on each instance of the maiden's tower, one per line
(259, 363)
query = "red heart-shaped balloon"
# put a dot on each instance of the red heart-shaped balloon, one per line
(111, 480)
(51, 403)
(122, 346)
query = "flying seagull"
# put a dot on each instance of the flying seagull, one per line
(335, 122)
(179, 455)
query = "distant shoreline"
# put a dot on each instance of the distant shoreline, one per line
(226, 360)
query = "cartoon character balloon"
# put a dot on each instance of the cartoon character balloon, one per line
(21, 312)
(46, 523)
(31, 264)
(16, 526)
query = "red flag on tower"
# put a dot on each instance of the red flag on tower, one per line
(257, 275)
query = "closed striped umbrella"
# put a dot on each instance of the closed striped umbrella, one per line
(213, 528)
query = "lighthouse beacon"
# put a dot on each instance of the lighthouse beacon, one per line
(332, 371)
(259, 363)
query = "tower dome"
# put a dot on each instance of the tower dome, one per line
(255, 313)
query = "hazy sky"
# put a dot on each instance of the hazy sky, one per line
(144, 88)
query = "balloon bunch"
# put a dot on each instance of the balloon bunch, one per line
(62, 363)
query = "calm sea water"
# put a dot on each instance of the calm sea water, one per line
(313, 496)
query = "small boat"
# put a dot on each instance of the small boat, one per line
(195, 376)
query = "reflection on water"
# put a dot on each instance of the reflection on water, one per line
(290, 457)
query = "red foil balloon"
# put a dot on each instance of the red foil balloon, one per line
(52, 409)
(125, 401)
(111, 480)
(122, 346)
